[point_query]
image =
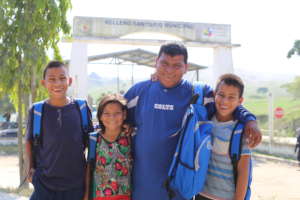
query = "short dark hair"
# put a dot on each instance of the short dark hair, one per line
(52, 64)
(108, 99)
(174, 49)
(233, 80)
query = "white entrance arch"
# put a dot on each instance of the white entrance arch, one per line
(88, 30)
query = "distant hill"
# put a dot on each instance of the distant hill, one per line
(252, 76)
(253, 81)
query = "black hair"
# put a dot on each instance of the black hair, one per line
(52, 64)
(233, 80)
(174, 49)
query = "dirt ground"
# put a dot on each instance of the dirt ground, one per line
(275, 181)
(271, 180)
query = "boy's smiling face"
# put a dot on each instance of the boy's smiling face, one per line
(227, 98)
(57, 82)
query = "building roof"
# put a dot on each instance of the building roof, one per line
(138, 56)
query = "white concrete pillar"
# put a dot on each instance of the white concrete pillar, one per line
(78, 70)
(222, 62)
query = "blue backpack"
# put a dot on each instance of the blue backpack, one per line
(93, 136)
(189, 166)
(235, 150)
(38, 116)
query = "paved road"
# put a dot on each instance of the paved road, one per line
(272, 180)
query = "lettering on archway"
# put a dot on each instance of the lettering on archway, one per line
(111, 28)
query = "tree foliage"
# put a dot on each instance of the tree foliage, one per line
(28, 30)
(262, 90)
(295, 49)
(6, 106)
(293, 87)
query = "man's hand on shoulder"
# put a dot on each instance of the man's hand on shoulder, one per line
(154, 77)
(253, 133)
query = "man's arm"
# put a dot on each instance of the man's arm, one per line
(252, 131)
(242, 114)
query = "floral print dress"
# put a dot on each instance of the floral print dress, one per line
(112, 169)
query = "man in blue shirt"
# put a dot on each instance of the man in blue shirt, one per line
(157, 109)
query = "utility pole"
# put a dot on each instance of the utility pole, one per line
(271, 120)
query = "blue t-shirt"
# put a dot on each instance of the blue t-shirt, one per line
(157, 113)
(60, 159)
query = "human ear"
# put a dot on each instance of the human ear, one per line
(70, 81)
(186, 66)
(43, 82)
(241, 100)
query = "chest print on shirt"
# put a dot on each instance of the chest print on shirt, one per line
(163, 106)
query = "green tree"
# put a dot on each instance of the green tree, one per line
(262, 90)
(28, 30)
(6, 106)
(295, 49)
(293, 87)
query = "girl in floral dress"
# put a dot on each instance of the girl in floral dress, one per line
(111, 176)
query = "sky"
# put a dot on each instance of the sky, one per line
(265, 29)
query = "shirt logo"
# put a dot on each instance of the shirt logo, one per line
(163, 107)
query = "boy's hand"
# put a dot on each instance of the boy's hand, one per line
(253, 133)
(127, 129)
(30, 174)
(154, 77)
(85, 197)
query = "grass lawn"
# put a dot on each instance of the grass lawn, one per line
(11, 149)
(261, 106)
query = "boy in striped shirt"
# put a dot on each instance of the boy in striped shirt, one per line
(220, 181)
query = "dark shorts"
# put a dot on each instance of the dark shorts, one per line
(42, 193)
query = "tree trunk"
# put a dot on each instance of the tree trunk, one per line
(33, 86)
(22, 173)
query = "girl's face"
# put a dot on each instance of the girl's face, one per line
(113, 116)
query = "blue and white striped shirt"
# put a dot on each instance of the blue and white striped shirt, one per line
(219, 183)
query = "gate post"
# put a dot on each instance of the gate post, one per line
(78, 70)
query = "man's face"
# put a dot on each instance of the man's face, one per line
(170, 69)
(57, 82)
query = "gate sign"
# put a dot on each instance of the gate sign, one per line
(110, 28)
(278, 112)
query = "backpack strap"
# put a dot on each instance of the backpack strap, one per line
(93, 137)
(235, 147)
(37, 111)
(82, 107)
(37, 121)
